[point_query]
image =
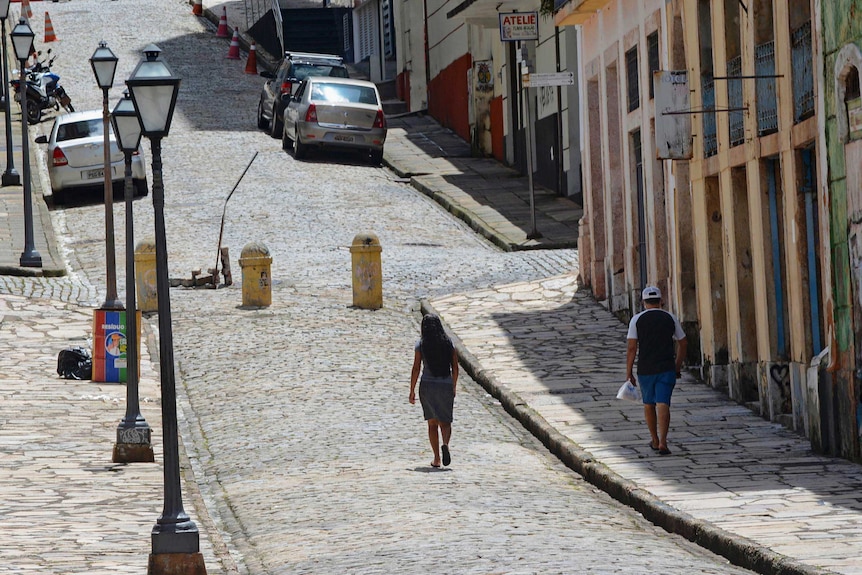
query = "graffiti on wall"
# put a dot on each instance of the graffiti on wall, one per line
(483, 92)
(484, 77)
(779, 374)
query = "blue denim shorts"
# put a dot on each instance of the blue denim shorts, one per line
(657, 388)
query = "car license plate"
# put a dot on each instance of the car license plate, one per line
(343, 138)
(93, 174)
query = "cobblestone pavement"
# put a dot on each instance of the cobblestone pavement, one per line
(296, 421)
(65, 507)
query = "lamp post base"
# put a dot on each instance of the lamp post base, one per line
(10, 178)
(31, 260)
(133, 453)
(176, 564)
(133, 443)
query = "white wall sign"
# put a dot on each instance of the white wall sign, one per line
(552, 79)
(672, 115)
(515, 26)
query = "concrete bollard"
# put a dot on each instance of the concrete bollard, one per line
(367, 274)
(256, 265)
(145, 275)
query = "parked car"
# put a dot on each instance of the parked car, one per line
(293, 69)
(76, 155)
(335, 113)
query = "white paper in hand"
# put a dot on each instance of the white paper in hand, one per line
(629, 392)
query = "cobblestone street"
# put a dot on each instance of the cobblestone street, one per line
(295, 418)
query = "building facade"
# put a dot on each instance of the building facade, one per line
(637, 206)
(452, 62)
(743, 235)
(840, 154)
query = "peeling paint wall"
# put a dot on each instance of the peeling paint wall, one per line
(842, 39)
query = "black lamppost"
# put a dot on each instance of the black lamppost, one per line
(133, 434)
(175, 536)
(22, 41)
(104, 64)
(10, 176)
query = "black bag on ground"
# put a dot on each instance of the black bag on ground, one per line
(75, 363)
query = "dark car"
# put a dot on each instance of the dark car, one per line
(293, 69)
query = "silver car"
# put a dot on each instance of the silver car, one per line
(76, 156)
(336, 113)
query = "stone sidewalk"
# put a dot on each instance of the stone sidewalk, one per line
(736, 484)
(12, 211)
(66, 507)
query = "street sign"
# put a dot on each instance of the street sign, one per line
(553, 79)
(672, 115)
(517, 26)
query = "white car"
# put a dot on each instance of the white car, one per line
(76, 156)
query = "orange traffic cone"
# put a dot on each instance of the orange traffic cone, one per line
(233, 51)
(222, 31)
(49, 29)
(251, 64)
(197, 8)
(26, 12)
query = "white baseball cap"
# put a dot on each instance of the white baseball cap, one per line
(651, 292)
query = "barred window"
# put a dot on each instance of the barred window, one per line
(632, 78)
(652, 58)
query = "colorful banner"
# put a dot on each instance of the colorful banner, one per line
(109, 346)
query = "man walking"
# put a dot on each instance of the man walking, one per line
(651, 337)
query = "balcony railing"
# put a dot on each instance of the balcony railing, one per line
(710, 143)
(767, 105)
(734, 100)
(803, 73)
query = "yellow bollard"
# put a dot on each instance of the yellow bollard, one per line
(145, 275)
(256, 265)
(367, 274)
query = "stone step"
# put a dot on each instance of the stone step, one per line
(394, 107)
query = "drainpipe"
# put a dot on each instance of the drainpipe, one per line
(776, 261)
(813, 291)
(559, 159)
(427, 59)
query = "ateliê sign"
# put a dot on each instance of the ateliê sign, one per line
(516, 26)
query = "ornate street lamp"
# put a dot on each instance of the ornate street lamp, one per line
(104, 64)
(22, 41)
(175, 537)
(133, 434)
(10, 176)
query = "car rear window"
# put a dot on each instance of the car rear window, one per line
(343, 93)
(77, 130)
(303, 71)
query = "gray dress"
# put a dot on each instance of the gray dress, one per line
(436, 393)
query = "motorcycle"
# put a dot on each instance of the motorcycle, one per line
(43, 90)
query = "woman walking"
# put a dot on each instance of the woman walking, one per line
(435, 357)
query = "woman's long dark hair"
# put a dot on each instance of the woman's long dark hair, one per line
(436, 346)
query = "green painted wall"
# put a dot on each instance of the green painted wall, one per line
(842, 24)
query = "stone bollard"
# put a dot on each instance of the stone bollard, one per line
(367, 274)
(256, 265)
(145, 275)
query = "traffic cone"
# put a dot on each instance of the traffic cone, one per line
(49, 29)
(251, 64)
(222, 31)
(233, 51)
(26, 12)
(197, 8)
